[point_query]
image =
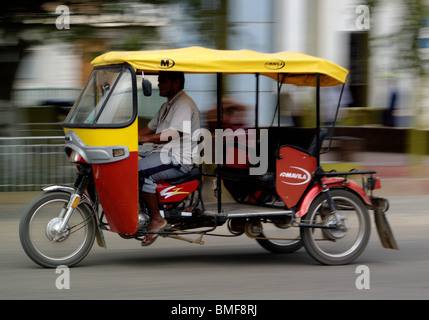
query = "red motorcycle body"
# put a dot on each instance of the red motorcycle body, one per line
(168, 193)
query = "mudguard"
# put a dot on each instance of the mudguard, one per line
(333, 182)
(385, 233)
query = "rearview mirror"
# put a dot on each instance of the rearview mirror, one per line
(147, 87)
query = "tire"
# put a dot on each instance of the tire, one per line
(336, 247)
(35, 231)
(277, 230)
(278, 247)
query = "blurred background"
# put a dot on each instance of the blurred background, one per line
(46, 49)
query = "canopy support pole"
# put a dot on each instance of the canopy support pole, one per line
(335, 119)
(278, 111)
(219, 126)
(257, 101)
(278, 99)
(318, 142)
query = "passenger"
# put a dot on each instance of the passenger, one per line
(174, 123)
(235, 115)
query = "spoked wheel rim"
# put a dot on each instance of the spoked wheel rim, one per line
(65, 245)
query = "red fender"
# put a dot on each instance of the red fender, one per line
(333, 182)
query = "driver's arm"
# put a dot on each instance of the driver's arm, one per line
(147, 135)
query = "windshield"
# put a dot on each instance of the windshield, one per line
(106, 100)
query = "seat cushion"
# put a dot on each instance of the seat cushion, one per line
(195, 173)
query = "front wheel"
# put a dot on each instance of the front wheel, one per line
(40, 239)
(345, 243)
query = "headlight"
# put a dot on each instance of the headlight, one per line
(75, 157)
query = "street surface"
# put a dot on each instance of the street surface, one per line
(225, 268)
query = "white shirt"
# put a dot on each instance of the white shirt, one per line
(180, 114)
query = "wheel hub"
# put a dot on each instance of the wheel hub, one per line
(335, 234)
(53, 232)
(253, 228)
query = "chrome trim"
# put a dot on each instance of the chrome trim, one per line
(58, 187)
(259, 214)
(70, 190)
(94, 154)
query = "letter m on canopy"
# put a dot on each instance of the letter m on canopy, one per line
(166, 63)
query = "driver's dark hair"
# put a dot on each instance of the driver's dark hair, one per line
(177, 75)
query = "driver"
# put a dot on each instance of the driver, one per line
(173, 124)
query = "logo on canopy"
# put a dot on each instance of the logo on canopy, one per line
(274, 64)
(167, 63)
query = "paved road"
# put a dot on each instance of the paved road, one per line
(226, 269)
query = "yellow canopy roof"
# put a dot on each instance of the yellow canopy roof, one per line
(292, 67)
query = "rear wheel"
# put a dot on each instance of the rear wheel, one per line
(281, 237)
(40, 238)
(345, 243)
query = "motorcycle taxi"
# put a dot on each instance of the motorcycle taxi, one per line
(291, 204)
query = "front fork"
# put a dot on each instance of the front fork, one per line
(79, 187)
